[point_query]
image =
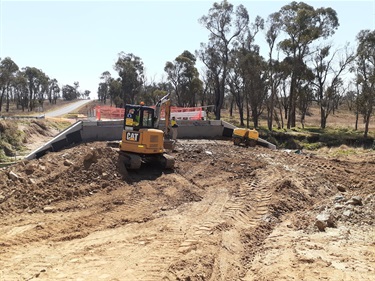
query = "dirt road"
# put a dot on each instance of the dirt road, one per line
(224, 213)
(66, 109)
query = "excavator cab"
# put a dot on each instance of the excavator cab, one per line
(138, 117)
(141, 140)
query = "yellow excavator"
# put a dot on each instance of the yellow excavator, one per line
(142, 141)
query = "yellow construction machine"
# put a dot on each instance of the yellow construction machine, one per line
(247, 137)
(142, 140)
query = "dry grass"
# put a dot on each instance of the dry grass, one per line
(342, 119)
(13, 111)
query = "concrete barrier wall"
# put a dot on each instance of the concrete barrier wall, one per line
(67, 137)
(112, 130)
(101, 130)
(88, 131)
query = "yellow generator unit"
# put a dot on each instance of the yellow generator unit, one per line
(248, 137)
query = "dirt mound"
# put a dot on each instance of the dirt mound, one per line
(20, 136)
(80, 171)
(224, 213)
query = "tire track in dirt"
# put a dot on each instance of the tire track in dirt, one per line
(150, 265)
(251, 204)
(205, 221)
(319, 168)
(242, 206)
(114, 214)
(219, 211)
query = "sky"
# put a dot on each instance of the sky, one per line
(79, 40)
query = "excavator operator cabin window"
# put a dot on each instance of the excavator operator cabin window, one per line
(129, 115)
(148, 115)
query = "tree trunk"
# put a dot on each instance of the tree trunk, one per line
(322, 117)
(256, 121)
(7, 100)
(367, 122)
(356, 121)
(2, 98)
(270, 117)
(231, 107)
(302, 120)
(240, 110)
(31, 99)
(292, 103)
(277, 120)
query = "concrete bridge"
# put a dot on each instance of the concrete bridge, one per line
(89, 131)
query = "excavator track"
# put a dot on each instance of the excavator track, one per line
(131, 161)
(167, 161)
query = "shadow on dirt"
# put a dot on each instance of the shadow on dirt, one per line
(148, 171)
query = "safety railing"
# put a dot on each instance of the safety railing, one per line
(180, 113)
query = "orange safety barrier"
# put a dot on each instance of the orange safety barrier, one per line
(180, 113)
(186, 113)
(108, 112)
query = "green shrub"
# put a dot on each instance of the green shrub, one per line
(3, 157)
(313, 146)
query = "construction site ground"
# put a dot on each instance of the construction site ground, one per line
(224, 213)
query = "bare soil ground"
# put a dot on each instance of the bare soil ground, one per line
(224, 213)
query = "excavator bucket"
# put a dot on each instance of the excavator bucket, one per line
(169, 144)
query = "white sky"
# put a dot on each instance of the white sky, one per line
(78, 40)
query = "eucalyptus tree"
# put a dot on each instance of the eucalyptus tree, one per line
(327, 78)
(115, 92)
(8, 70)
(131, 71)
(236, 84)
(225, 25)
(304, 90)
(20, 88)
(42, 89)
(103, 90)
(184, 77)
(207, 96)
(355, 95)
(302, 24)
(365, 63)
(256, 89)
(351, 97)
(53, 91)
(76, 86)
(149, 94)
(274, 76)
(37, 85)
(283, 99)
(247, 82)
(153, 92)
(305, 99)
(69, 92)
(86, 94)
(244, 72)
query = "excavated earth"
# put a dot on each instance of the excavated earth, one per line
(224, 213)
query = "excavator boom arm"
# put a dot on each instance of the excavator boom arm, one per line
(166, 102)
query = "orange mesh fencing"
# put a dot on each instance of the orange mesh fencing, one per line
(180, 113)
(109, 112)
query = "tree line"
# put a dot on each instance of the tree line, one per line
(28, 88)
(301, 68)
